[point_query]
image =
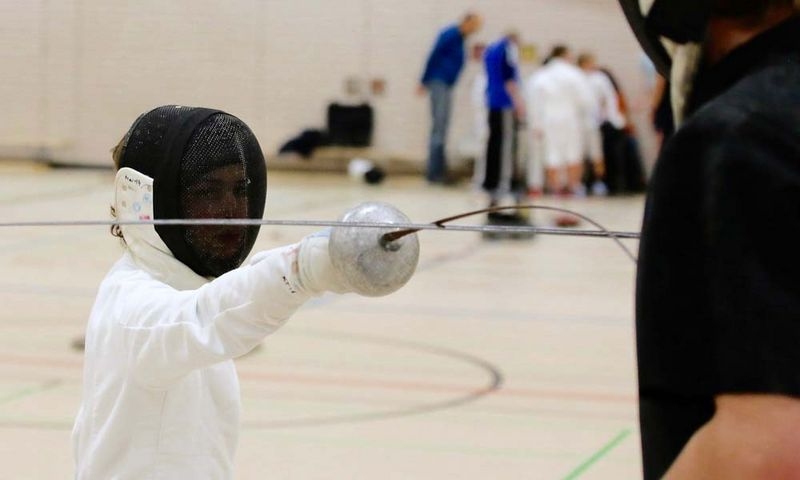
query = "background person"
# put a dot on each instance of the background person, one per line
(442, 69)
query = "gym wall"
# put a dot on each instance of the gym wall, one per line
(76, 73)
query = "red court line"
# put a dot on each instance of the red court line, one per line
(431, 387)
(366, 383)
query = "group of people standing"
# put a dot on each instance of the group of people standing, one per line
(569, 115)
(717, 290)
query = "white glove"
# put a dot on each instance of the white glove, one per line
(315, 272)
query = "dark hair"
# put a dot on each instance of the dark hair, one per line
(754, 9)
(116, 155)
(559, 51)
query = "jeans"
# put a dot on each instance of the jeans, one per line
(441, 94)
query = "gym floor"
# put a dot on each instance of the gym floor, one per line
(499, 359)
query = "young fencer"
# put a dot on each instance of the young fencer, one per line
(160, 390)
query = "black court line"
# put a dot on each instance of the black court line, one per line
(494, 383)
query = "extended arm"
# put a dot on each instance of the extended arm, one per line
(749, 437)
(168, 333)
(514, 91)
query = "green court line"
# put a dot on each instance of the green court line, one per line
(581, 469)
(29, 391)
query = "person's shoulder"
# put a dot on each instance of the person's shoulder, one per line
(706, 130)
(118, 276)
(450, 31)
(601, 77)
(765, 102)
(771, 93)
(756, 122)
(574, 74)
(544, 74)
(494, 50)
(126, 272)
(567, 69)
(122, 266)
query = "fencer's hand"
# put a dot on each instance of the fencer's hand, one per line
(521, 112)
(422, 89)
(315, 272)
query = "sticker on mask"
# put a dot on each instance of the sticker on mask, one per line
(133, 195)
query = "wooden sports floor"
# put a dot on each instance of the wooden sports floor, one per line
(498, 360)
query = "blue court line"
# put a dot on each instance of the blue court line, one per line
(583, 467)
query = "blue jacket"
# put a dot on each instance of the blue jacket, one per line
(501, 66)
(447, 57)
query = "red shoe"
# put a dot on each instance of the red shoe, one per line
(535, 193)
(567, 221)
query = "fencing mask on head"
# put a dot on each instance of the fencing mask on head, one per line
(204, 163)
(660, 25)
(671, 33)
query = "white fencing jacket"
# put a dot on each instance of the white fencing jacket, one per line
(560, 96)
(607, 100)
(160, 390)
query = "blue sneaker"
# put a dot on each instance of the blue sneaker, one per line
(599, 189)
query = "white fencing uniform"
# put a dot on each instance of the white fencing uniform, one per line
(607, 99)
(160, 390)
(561, 109)
(160, 393)
(606, 109)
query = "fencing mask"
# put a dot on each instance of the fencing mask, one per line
(671, 33)
(659, 25)
(204, 163)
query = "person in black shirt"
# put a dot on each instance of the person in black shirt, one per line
(718, 284)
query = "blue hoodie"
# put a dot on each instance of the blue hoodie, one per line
(447, 57)
(501, 67)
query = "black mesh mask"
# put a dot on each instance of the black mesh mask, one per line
(680, 21)
(205, 164)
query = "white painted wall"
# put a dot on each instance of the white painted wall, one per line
(76, 73)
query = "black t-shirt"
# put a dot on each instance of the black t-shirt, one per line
(718, 287)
